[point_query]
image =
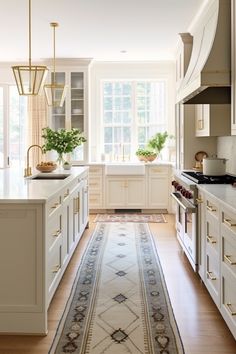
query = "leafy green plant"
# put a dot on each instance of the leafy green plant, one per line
(157, 142)
(145, 152)
(62, 141)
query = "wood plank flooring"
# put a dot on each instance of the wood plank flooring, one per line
(202, 329)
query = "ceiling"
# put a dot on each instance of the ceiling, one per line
(99, 29)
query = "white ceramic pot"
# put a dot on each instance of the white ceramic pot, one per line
(214, 166)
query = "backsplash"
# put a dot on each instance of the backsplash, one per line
(226, 147)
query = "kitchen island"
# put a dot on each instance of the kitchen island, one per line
(41, 223)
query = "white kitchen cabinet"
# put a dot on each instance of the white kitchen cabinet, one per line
(96, 187)
(201, 235)
(74, 113)
(228, 267)
(233, 67)
(217, 254)
(125, 192)
(158, 185)
(38, 238)
(212, 242)
(212, 120)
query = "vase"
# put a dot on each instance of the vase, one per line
(60, 159)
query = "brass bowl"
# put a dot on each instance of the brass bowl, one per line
(46, 168)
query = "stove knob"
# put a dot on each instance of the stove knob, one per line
(189, 195)
(179, 187)
(173, 183)
(183, 191)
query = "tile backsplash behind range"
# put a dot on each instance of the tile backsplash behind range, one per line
(226, 147)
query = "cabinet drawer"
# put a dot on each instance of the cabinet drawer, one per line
(54, 266)
(228, 305)
(229, 252)
(160, 170)
(95, 183)
(95, 170)
(95, 200)
(212, 233)
(228, 220)
(54, 204)
(212, 208)
(54, 230)
(212, 276)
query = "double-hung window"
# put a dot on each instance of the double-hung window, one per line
(132, 111)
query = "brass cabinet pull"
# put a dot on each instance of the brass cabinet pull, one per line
(209, 275)
(228, 305)
(57, 233)
(210, 239)
(228, 222)
(199, 200)
(210, 208)
(55, 205)
(227, 258)
(66, 194)
(56, 268)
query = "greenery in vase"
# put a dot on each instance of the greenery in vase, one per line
(62, 141)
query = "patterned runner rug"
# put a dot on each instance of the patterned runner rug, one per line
(119, 303)
(130, 217)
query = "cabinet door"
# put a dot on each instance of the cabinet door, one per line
(76, 215)
(135, 192)
(58, 114)
(233, 68)
(202, 120)
(115, 193)
(202, 236)
(158, 188)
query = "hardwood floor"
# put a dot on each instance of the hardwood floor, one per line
(202, 329)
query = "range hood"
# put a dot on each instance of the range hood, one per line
(207, 79)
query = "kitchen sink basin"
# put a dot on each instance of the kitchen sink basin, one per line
(52, 176)
(124, 169)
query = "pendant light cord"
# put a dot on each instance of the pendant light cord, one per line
(30, 33)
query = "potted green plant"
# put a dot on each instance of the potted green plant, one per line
(153, 147)
(146, 155)
(62, 141)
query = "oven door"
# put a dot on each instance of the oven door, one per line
(186, 227)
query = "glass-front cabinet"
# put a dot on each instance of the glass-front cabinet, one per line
(74, 113)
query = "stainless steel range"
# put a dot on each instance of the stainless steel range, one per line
(185, 194)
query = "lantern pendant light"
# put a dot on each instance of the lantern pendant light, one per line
(29, 78)
(55, 93)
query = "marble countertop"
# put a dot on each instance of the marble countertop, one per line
(15, 188)
(225, 193)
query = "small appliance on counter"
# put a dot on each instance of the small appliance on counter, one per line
(199, 156)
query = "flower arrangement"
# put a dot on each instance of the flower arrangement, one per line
(62, 141)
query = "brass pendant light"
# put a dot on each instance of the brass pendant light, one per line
(29, 78)
(55, 93)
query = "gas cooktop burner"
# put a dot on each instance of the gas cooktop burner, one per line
(200, 178)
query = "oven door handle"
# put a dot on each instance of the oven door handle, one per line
(188, 207)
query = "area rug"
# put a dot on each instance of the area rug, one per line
(130, 217)
(119, 303)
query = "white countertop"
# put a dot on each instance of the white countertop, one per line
(15, 188)
(225, 193)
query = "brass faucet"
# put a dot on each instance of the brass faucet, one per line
(28, 171)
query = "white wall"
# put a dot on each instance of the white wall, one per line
(226, 147)
(126, 70)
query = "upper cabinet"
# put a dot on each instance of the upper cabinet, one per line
(233, 68)
(74, 113)
(212, 120)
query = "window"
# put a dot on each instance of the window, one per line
(133, 111)
(13, 127)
